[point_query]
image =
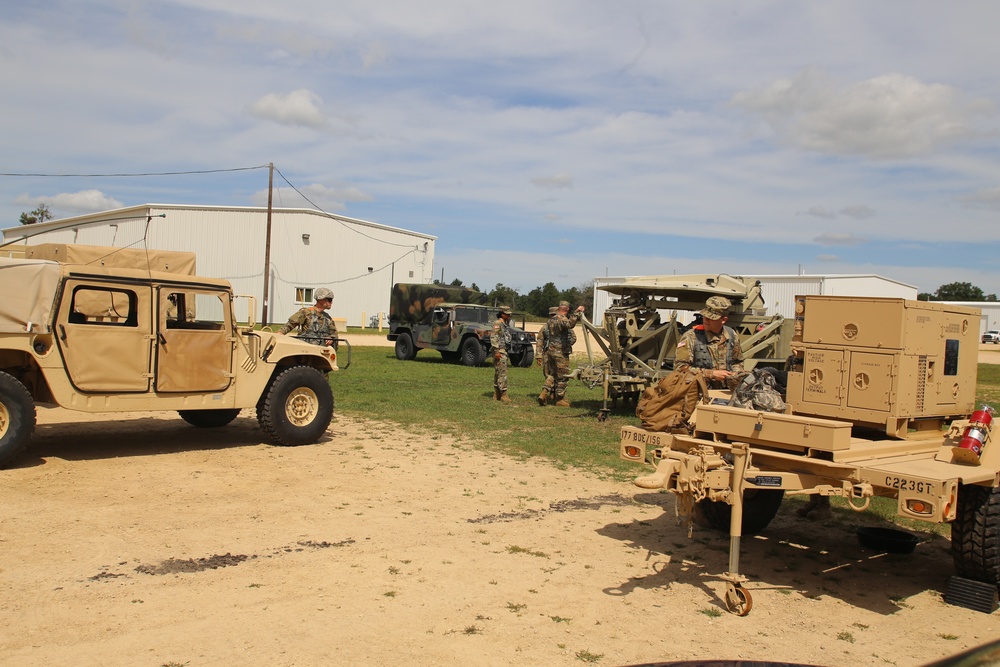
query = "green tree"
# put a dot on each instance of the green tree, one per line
(959, 292)
(40, 214)
(501, 295)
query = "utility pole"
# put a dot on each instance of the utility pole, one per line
(267, 245)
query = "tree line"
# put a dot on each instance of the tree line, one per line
(957, 292)
(536, 302)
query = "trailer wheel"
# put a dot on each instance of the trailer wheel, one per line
(523, 359)
(405, 349)
(17, 418)
(759, 508)
(209, 418)
(975, 534)
(296, 407)
(472, 352)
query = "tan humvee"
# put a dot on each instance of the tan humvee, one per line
(878, 399)
(114, 330)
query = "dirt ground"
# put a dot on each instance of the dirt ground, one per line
(143, 541)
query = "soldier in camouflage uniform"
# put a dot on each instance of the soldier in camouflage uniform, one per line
(712, 346)
(541, 345)
(560, 345)
(500, 340)
(313, 323)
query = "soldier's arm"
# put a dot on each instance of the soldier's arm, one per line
(294, 322)
(737, 355)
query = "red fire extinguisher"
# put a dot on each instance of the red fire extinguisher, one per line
(974, 439)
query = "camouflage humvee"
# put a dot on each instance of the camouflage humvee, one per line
(880, 401)
(107, 330)
(452, 320)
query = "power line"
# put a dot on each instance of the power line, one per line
(160, 173)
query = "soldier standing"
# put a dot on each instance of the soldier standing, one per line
(560, 345)
(500, 340)
(711, 346)
(313, 323)
(542, 346)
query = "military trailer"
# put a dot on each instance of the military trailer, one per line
(880, 402)
(455, 321)
(636, 341)
(111, 330)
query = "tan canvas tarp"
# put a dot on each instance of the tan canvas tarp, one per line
(167, 261)
(28, 289)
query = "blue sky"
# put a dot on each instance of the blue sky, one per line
(539, 141)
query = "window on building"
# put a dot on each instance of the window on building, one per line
(304, 295)
(411, 274)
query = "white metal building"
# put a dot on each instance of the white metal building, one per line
(780, 291)
(309, 249)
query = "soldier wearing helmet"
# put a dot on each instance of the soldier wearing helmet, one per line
(711, 345)
(313, 323)
(500, 340)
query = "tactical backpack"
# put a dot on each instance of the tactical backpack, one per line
(669, 404)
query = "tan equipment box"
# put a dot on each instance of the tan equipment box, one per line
(886, 363)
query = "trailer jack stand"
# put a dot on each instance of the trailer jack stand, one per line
(738, 599)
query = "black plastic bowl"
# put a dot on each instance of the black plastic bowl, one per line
(887, 540)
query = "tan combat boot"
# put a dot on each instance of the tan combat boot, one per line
(496, 393)
(562, 403)
(504, 398)
(543, 397)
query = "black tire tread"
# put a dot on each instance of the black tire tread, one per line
(209, 418)
(759, 510)
(975, 534)
(471, 352)
(271, 410)
(22, 418)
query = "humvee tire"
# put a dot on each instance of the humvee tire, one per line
(759, 508)
(975, 533)
(524, 359)
(472, 352)
(209, 418)
(405, 349)
(296, 407)
(17, 418)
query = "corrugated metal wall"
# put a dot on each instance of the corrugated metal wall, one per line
(358, 260)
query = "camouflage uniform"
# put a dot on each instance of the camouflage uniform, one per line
(701, 348)
(561, 338)
(541, 345)
(313, 326)
(500, 340)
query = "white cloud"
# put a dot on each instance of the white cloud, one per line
(329, 199)
(888, 116)
(819, 212)
(299, 108)
(554, 182)
(84, 201)
(831, 238)
(988, 198)
(858, 211)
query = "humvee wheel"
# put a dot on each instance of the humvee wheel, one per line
(209, 418)
(759, 508)
(17, 418)
(738, 599)
(472, 352)
(975, 534)
(297, 406)
(405, 349)
(524, 359)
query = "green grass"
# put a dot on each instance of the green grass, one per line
(988, 385)
(432, 396)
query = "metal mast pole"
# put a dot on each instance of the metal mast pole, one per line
(267, 245)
